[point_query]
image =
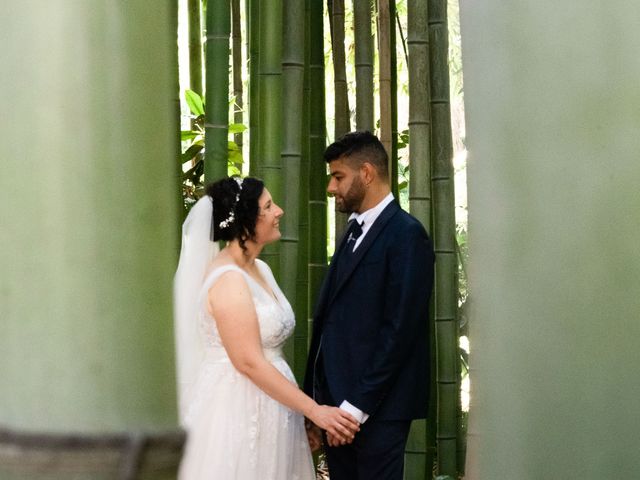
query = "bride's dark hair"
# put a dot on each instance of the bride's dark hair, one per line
(239, 218)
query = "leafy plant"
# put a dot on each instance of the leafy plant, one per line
(192, 159)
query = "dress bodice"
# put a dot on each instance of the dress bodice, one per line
(275, 316)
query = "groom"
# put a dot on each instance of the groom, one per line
(369, 351)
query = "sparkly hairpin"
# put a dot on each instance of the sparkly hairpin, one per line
(232, 215)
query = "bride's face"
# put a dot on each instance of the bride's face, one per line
(268, 223)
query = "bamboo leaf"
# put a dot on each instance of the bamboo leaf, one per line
(194, 101)
(233, 170)
(235, 157)
(195, 172)
(191, 152)
(237, 128)
(187, 135)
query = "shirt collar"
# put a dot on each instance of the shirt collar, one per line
(370, 216)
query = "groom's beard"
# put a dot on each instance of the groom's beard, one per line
(351, 200)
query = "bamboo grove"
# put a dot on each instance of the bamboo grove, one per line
(284, 109)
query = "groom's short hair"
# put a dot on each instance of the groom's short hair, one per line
(357, 148)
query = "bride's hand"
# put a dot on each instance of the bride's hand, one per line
(335, 421)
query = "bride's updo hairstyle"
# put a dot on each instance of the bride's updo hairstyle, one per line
(235, 208)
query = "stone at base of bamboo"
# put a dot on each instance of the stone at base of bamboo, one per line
(128, 456)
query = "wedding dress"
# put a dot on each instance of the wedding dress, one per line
(235, 430)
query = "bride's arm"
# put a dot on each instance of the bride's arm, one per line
(230, 302)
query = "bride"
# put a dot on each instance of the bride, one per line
(239, 402)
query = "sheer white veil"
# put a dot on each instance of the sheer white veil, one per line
(195, 256)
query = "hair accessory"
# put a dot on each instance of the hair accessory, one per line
(232, 215)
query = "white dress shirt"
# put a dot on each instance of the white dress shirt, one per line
(368, 217)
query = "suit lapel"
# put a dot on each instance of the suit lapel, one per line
(325, 290)
(372, 234)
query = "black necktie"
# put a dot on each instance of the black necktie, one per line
(354, 232)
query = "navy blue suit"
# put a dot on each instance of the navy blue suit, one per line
(370, 342)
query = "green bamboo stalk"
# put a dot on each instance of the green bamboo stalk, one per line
(293, 84)
(384, 75)
(217, 90)
(364, 64)
(317, 145)
(419, 112)
(554, 263)
(393, 156)
(444, 241)
(341, 97)
(421, 448)
(270, 125)
(87, 343)
(195, 46)
(302, 309)
(253, 30)
(182, 212)
(236, 41)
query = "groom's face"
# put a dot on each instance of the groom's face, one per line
(346, 186)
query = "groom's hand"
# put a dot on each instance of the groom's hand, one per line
(336, 442)
(314, 435)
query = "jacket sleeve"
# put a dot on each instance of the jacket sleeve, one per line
(408, 288)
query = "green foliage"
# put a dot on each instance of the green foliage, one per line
(195, 102)
(192, 159)
(403, 166)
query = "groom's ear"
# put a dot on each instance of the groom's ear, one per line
(368, 172)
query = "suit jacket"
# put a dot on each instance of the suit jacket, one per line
(371, 321)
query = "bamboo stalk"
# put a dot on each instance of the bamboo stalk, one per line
(270, 124)
(384, 75)
(393, 156)
(253, 29)
(364, 64)
(216, 125)
(444, 241)
(182, 212)
(302, 309)
(293, 84)
(87, 270)
(195, 46)
(341, 97)
(317, 140)
(236, 41)
(422, 455)
(419, 112)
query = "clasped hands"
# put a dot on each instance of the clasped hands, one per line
(340, 426)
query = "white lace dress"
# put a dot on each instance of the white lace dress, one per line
(236, 431)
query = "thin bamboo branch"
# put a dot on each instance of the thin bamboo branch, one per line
(404, 42)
